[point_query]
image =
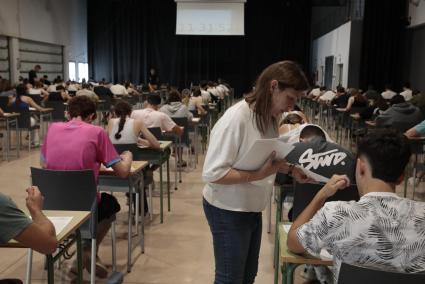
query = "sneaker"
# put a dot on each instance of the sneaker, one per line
(308, 273)
(323, 274)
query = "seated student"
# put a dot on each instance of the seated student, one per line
(185, 97)
(356, 100)
(381, 230)
(407, 92)
(404, 114)
(151, 117)
(196, 102)
(38, 89)
(388, 94)
(125, 130)
(20, 100)
(375, 108)
(175, 107)
(341, 98)
(291, 121)
(86, 91)
(119, 90)
(36, 232)
(293, 135)
(102, 91)
(371, 93)
(206, 96)
(80, 145)
(326, 97)
(64, 95)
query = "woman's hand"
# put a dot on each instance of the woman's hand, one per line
(271, 166)
(299, 175)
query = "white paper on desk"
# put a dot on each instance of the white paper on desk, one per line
(60, 223)
(286, 227)
(260, 151)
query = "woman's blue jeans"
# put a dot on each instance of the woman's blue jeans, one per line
(237, 241)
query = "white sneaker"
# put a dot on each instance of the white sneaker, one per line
(308, 273)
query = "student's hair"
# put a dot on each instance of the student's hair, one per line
(38, 84)
(381, 103)
(174, 96)
(60, 88)
(196, 91)
(415, 92)
(81, 106)
(21, 90)
(312, 131)
(293, 118)
(122, 110)
(397, 99)
(406, 85)
(358, 96)
(289, 75)
(37, 66)
(203, 84)
(154, 99)
(340, 89)
(387, 152)
(323, 88)
(85, 86)
(5, 85)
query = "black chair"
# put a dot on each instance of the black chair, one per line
(24, 123)
(55, 96)
(157, 132)
(353, 274)
(70, 191)
(58, 113)
(36, 98)
(304, 194)
(4, 104)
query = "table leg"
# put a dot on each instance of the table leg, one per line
(7, 139)
(130, 226)
(18, 143)
(168, 184)
(290, 272)
(29, 267)
(196, 145)
(79, 257)
(161, 195)
(175, 171)
(141, 185)
(284, 269)
(50, 270)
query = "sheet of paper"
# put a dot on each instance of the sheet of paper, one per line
(286, 227)
(60, 223)
(260, 151)
(316, 177)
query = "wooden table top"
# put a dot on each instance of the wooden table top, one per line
(162, 144)
(136, 166)
(10, 115)
(78, 218)
(287, 256)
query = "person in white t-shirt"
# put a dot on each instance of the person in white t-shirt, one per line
(327, 96)
(119, 90)
(233, 199)
(206, 96)
(388, 94)
(151, 117)
(407, 92)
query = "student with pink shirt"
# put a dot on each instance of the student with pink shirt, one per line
(79, 145)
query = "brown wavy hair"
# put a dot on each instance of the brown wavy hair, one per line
(289, 75)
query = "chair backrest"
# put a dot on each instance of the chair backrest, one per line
(157, 132)
(353, 274)
(36, 98)
(55, 96)
(69, 190)
(182, 121)
(4, 103)
(133, 148)
(304, 194)
(24, 119)
(58, 113)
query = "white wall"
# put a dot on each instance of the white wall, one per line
(61, 22)
(335, 43)
(417, 13)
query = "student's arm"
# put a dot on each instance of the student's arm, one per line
(1, 112)
(336, 183)
(40, 235)
(122, 168)
(31, 102)
(349, 103)
(177, 130)
(411, 133)
(141, 128)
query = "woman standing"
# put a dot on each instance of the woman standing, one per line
(232, 202)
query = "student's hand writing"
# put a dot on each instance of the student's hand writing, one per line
(336, 183)
(127, 155)
(34, 199)
(299, 175)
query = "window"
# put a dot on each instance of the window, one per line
(71, 69)
(83, 71)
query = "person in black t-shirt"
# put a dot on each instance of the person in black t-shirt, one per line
(32, 75)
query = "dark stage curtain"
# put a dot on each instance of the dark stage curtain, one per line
(384, 27)
(126, 37)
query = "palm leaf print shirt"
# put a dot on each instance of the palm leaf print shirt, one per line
(381, 230)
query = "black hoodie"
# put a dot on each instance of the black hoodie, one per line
(400, 116)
